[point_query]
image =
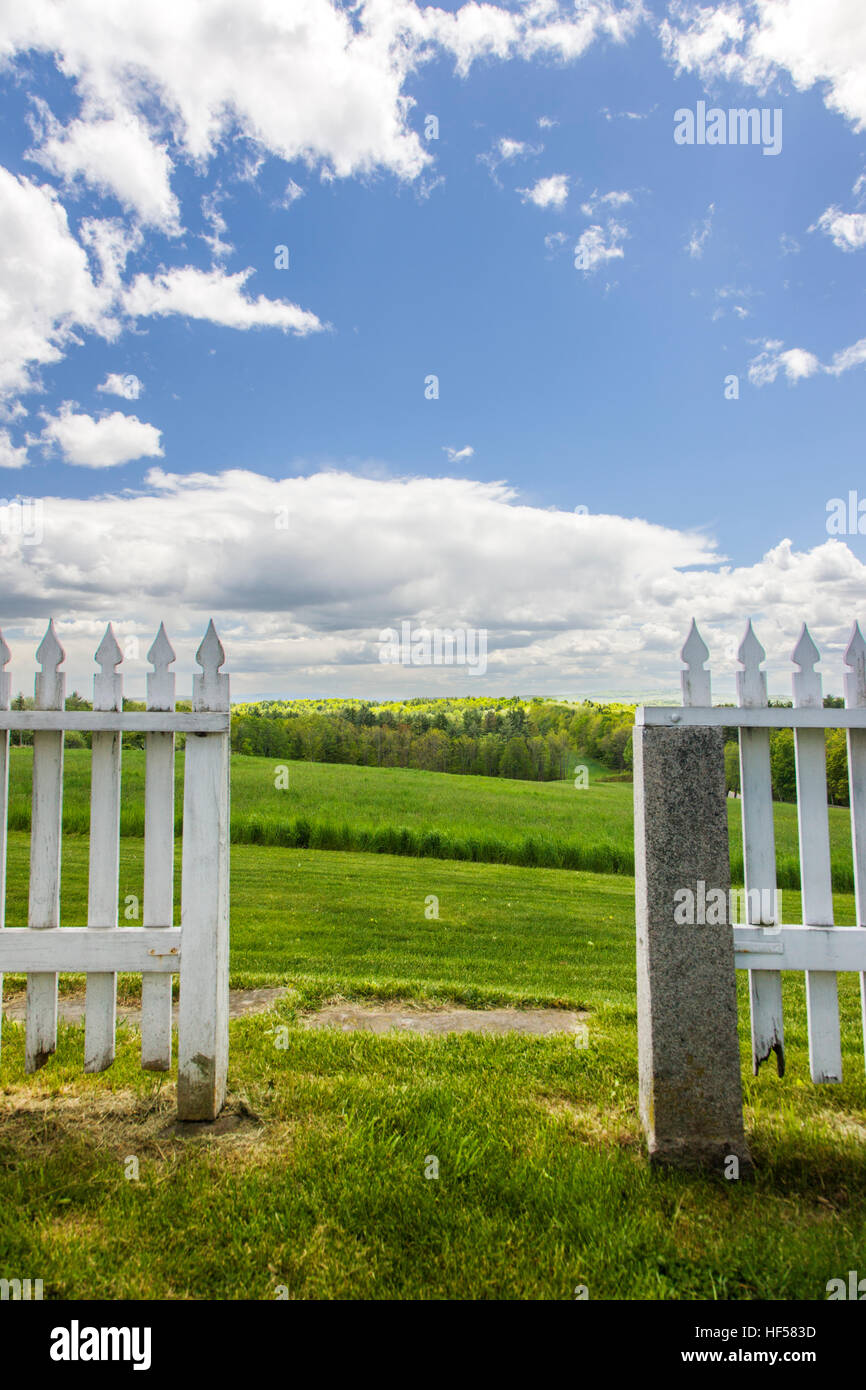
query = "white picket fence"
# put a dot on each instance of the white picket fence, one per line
(198, 949)
(763, 946)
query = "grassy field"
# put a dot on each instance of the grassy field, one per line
(424, 814)
(320, 1190)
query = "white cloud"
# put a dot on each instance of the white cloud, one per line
(614, 199)
(458, 455)
(551, 192)
(597, 245)
(554, 241)
(846, 229)
(100, 443)
(815, 44)
(219, 249)
(326, 86)
(700, 235)
(292, 194)
(128, 386)
(849, 357)
(571, 603)
(116, 156)
(47, 292)
(798, 363)
(11, 455)
(546, 123)
(217, 297)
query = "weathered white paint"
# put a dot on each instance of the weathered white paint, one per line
(822, 1003)
(855, 698)
(724, 717)
(5, 692)
(695, 679)
(759, 852)
(203, 1021)
(158, 906)
(101, 949)
(90, 949)
(131, 721)
(101, 1003)
(45, 831)
(819, 950)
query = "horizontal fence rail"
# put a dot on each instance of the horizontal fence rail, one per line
(197, 950)
(116, 721)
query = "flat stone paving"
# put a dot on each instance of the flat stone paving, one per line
(381, 1018)
(70, 1007)
(372, 1018)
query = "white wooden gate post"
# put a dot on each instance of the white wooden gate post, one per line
(101, 995)
(158, 855)
(204, 965)
(822, 997)
(855, 698)
(759, 853)
(45, 836)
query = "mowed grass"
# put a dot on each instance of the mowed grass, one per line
(320, 1191)
(425, 814)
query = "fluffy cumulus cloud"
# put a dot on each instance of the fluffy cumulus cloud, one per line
(153, 86)
(847, 230)
(128, 386)
(821, 45)
(325, 86)
(303, 574)
(550, 192)
(114, 156)
(45, 299)
(598, 245)
(798, 363)
(11, 455)
(99, 443)
(217, 297)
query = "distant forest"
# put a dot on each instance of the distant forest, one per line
(534, 740)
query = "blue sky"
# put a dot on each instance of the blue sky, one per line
(232, 388)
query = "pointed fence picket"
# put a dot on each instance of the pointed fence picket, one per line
(158, 906)
(763, 945)
(198, 951)
(816, 883)
(759, 854)
(45, 835)
(101, 1003)
(855, 698)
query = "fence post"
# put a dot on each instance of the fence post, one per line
(691, 1101)
(204, 960)
(45, 835)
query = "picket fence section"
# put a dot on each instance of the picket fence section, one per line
(198, 949)
(762, 945)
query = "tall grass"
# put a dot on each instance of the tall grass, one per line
(422, 815)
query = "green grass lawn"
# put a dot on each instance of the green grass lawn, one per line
(425, 814)
(321, 1188)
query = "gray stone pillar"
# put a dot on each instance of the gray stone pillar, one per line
(691, 1101)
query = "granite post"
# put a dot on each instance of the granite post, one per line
(691, 1100)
